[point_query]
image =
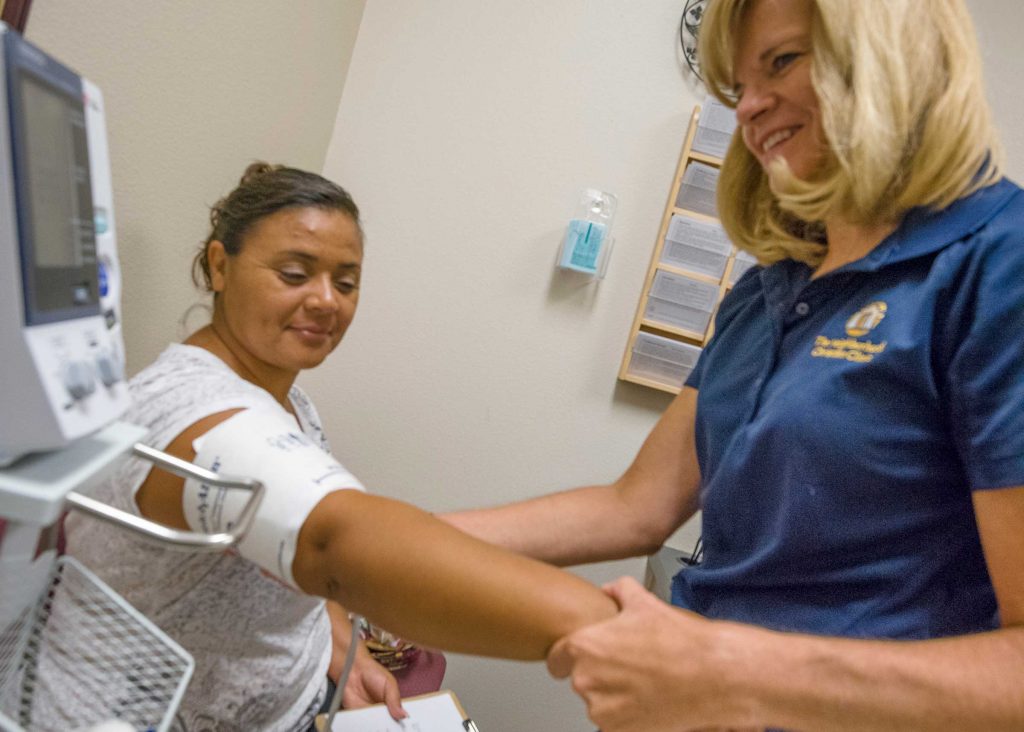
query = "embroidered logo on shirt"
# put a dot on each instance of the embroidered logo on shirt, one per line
(865, 319)
(851, 348)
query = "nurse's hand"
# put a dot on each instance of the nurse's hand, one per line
(651, 668)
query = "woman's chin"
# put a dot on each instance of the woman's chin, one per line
(303, 360)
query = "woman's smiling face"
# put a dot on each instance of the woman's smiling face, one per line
(288, 296)
(777, 107)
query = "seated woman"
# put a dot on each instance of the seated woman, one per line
(283, 261)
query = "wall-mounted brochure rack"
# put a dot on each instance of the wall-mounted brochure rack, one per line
(693, 265)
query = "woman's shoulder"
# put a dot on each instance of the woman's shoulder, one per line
(183, 368)
(995, 233)
(178, 357)
(1008, 218)
(991, 214)
(1001, 199)
(184, 384)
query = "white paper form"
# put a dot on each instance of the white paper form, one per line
(699, 246)
(714, 128)
(681, 302)
(697, 192)
(431, 713)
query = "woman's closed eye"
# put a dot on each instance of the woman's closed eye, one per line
(346, 285)
(292, 276)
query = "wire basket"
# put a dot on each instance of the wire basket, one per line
(82, 656)
(22, 582)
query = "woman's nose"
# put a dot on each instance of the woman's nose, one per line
(752, 102)
(322, 295)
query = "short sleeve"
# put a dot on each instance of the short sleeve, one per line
(986, 375)
(693, 380)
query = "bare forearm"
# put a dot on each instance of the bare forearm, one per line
(424, 580)
(801, 682)
(589, 524)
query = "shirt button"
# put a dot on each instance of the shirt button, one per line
(802, 308)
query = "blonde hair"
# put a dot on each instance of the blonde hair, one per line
(903, 109)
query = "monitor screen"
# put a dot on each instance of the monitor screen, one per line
(53, 190)
(55, 201)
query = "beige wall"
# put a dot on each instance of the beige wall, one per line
(195, 90)
(999, 24)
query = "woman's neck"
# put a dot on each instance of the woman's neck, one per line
(217, 339)
(849, 242)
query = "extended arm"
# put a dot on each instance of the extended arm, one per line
(632, 516)
(706, 673)
(424, 580)
(417, 576)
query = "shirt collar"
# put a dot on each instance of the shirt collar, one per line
(924, 231)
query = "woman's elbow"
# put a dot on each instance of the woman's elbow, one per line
(319, 562)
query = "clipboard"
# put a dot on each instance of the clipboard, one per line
(439, 711)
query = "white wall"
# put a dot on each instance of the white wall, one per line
(475, 374)
(195, 90)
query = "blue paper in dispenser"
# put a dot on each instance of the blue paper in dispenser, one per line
(582, 248)
(586, 245)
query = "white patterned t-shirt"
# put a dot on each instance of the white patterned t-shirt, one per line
(261, 650)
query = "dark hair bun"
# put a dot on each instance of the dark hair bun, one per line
(255, 170)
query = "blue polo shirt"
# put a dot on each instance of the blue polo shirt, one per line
(842, 424)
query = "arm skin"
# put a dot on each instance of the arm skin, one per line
(413, 574)
(656, 668)
(630, 517)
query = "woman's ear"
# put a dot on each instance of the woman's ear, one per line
(217, 259)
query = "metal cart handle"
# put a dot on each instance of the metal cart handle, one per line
(154, 530)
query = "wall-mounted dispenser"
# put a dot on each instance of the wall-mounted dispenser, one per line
(588, 243)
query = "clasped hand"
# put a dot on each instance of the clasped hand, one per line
(651, 668)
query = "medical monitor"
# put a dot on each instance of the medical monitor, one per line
(50, 157)
(63, 363)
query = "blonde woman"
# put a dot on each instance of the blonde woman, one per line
(854, 433)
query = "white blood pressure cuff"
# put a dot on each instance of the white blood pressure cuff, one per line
(268, 446)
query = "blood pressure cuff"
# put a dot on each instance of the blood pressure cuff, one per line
(268, 446)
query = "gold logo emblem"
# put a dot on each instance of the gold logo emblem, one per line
(865, 319)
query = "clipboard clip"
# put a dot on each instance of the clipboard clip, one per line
(469, 725)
